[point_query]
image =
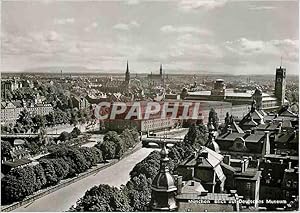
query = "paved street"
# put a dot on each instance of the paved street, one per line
(64, 198)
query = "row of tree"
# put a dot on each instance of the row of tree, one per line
(62, 162)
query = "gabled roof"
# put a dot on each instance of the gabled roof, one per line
(212, 160)
(254, 138)
(284, 137)
(236, 127)
(288, 113)
(249, 123)
(230, 136)
(192, 186)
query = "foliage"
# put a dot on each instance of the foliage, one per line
(138, 190)
(196, 135)
(6, 149)
(103, 198)
(41, 180)
(64, 136)
(213, 118)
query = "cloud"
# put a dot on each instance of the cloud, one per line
(184, 29)
(121, 26)
(286, 48)
(64, 21)
(262, 8)
(126, 27)
(188, 47)
(132, 2)
(187, 5)
(91, 26)
(47, 42)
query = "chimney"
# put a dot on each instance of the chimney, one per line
(178, 183)
(226, 159)
(253, 130)
(266, 149)
(199, 159)
(230, 130)
(281, 161)
(290, 165)
(195, 154)
(242, 166)
(248, 132)
(204, 154)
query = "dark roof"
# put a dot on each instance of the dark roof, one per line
(230, 136)
(209, 196)
(236, 127)
(192, 186)
(268, 126)
(228, 167)
(254, 138)
(284, 137)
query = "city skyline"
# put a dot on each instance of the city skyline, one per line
(251, 36)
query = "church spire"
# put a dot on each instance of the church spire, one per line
(127, 74)
(160, 70)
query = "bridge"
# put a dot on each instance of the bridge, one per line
(147, 142)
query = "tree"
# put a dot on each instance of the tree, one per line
(149, 166)
(50, 173)
(39, 121)
(92, 155)
(64, 136)
(75, 132)
(127, 138)
(41, 180)
(27, 178)
(108, 149)
(11, 190)
(112, 145)
(6, 149)
(138, 191)
(103, 198)
(213, 118)
(61, 168)
(196, 135)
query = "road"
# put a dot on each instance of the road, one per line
(63, 199)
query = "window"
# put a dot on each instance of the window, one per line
(288, 183)
(295, 183)
(248, 186)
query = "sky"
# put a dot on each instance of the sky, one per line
(186, 36)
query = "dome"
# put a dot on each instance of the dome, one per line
(164, 181)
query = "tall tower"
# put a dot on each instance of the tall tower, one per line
(163, 186)
(127, 74)
(280, 83)
(161, 71)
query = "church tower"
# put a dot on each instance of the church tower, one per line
(280, 83)
(127, 74)
(163, 186)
